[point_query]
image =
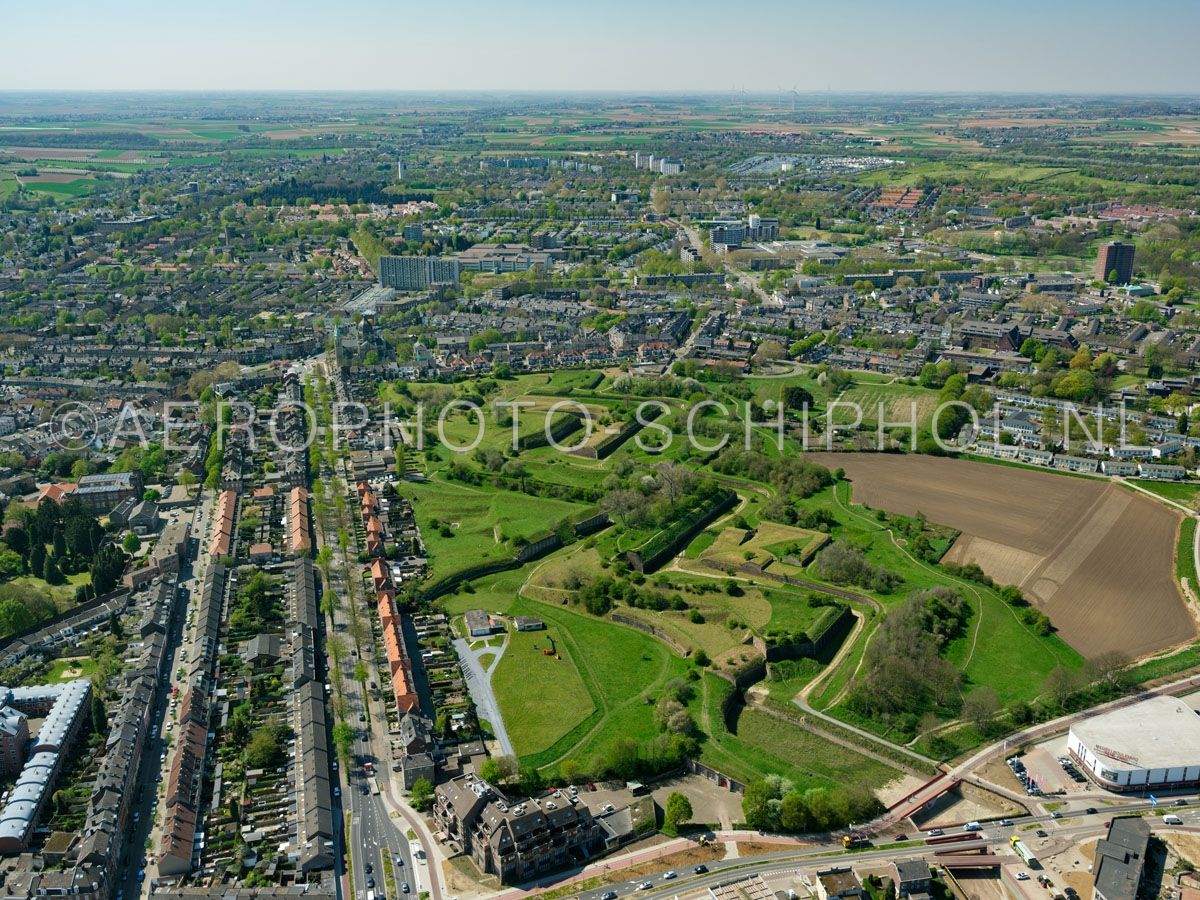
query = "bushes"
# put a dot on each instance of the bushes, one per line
(904, 674)
(791, 476)
(842, 564)
(773, 804)
(702, 507)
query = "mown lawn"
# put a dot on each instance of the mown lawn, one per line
(622, 670)
(476, 524)
(541, 697)
(79, 667)
(1179, 491)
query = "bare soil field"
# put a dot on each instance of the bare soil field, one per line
(1097, 559)
(67, 153)
(53, 177)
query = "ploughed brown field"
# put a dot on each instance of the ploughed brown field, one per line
(1096, 557)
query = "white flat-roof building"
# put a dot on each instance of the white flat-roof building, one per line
(1152, 744)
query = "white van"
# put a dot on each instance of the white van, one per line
(972, 826)
(1172, 819)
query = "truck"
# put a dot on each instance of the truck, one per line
(1024, 852)
(854, 840)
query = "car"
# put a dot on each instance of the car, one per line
(1022, 876)
(1090, 811)
(1006, 823)
(700, 869)
(934, 832)
(1041, 832)
(609, 895)
(1181, 802)
(1056, 815)
(362, 717)
(669, 874)
(368, 868)
(645, 886)
(337, 791)
(900, 837)
(399, 860)
(366, 790)
(371, 883)
(404, 887)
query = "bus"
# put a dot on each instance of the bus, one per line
(1024, 852)
(373, 784)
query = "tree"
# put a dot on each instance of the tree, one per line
(15, 617)
(11, 564)
(796, 398)
(37, 556)
(1107, 668)
(1061, 684)
(51, 573)
(132, 543)
(343, 740)
(981, 706)
(677, 811)
(421, 794)
(529, 781)
(99, 713)
(498, 769)
(757, 806)
(265, 749)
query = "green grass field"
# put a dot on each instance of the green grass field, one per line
(765, 745)
(1185, 554)
(479, 523)
(67, 189)
(621, 670)
(541, 697)
(78, 667)
(1180, 491)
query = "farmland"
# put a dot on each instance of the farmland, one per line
(1094, 557)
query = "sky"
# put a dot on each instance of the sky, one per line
(1087, 46)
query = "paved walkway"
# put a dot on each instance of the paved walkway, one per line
(479, 684)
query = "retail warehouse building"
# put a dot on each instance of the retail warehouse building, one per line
(1154, 744)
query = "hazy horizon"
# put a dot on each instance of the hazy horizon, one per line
(619, 47)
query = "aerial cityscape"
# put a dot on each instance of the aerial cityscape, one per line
(630, 452)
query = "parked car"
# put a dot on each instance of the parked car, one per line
(1022, 876)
